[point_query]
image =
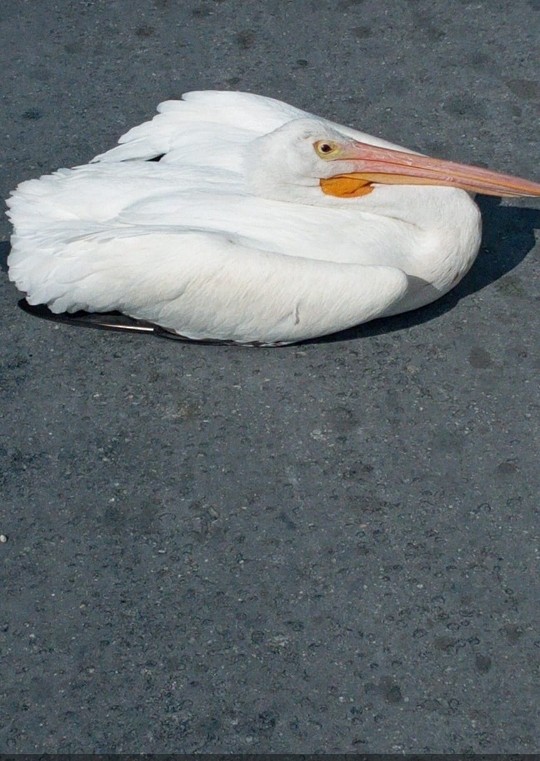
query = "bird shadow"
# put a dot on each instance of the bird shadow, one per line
(5, 248)
(507, 238)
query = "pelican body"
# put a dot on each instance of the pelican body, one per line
(235, 217)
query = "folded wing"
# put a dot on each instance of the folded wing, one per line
(208, 285)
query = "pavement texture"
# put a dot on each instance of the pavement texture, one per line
(330, 547)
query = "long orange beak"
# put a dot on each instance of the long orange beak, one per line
(391, 167)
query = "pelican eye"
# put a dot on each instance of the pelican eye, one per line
(326, 149)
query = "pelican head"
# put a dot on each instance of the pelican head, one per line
(307, 160)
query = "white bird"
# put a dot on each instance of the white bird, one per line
(259, 223)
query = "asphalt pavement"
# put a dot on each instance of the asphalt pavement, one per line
(330, 547)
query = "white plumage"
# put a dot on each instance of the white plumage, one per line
(239, 232)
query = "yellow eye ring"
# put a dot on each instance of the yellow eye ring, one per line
(326, 149)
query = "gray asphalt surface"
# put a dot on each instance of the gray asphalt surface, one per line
(329, 547)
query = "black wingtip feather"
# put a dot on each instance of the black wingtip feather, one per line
(119, 322)
(100, 320)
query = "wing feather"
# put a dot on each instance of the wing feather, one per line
(205, 128)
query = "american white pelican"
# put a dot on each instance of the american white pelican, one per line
(259, 223)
